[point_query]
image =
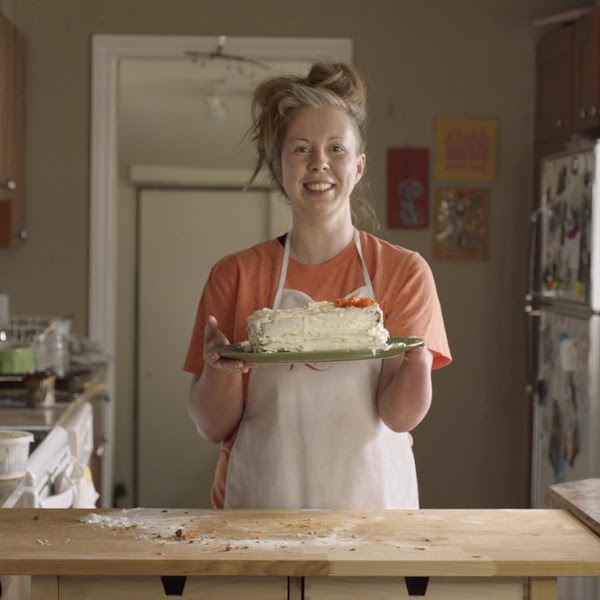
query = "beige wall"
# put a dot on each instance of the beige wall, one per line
(467, 57)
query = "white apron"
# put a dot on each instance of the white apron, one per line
(310, 436)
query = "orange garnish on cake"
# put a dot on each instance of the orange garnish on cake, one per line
(353, 301)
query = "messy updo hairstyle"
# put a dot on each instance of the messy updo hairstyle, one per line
(275, 101)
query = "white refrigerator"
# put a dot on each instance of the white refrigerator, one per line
(563, 331)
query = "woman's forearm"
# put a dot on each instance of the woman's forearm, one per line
(215, 403)
(405, 391)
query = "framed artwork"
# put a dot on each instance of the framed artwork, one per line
(408, 188)
(461, 228)
(465, 148)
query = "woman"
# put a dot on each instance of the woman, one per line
(327, 435)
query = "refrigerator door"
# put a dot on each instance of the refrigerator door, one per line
(566, 409)
(569, 227)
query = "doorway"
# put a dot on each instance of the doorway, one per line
(106, 223)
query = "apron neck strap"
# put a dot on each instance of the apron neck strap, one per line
(283, 272)
(365, 271)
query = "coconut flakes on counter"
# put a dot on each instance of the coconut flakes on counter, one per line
(111, 521)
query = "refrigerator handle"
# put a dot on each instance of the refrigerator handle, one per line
(531, 315)
(531, 312)
(531, 248)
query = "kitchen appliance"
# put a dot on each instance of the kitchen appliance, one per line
(57, 473)
(563, 330)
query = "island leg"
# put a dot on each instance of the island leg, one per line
(295, 588)
(542, 588)
(44, 587)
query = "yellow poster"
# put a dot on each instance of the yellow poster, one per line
(465, 148)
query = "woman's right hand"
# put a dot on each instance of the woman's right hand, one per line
(213, 337)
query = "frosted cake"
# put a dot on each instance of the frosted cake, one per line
(346, 324)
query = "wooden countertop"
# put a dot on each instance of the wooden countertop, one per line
(581, 498)
(480, 543)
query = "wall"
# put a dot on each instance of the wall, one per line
(422, 59)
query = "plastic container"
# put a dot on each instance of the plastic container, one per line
(16, 360)
(14, 452)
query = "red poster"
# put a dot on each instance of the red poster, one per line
(408, 188)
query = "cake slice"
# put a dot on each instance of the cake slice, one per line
(346, 324)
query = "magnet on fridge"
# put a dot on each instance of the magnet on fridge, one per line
(568, 353)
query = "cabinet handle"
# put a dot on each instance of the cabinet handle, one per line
(582, 113)
(592, 110)
(9, 184)
(559, 123)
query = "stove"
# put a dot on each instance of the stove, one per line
(57, 469)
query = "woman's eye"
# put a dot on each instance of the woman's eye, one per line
(301, 149)
(337, 148)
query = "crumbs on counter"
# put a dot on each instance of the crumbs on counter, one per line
(229, 536)
(189, 534)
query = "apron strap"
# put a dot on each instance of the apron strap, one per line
(283, 272)
(365, 271)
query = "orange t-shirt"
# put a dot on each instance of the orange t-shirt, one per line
(246, 281)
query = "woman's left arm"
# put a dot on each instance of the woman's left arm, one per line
(404, 391)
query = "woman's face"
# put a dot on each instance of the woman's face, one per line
(320, 161)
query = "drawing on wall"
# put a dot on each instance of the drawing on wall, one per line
(461, 223)
(408, 188)
(465, 148)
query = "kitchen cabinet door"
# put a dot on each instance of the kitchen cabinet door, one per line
(586, 78)
(395, 588)
(12, 134)
(153, 588)
(182, 234)
(554, 84)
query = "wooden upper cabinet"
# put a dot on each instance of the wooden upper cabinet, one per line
(586, 79)
(12, 134)
(554, 84)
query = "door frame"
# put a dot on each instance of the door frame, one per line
(107, 52)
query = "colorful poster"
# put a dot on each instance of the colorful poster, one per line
(461, 223)
(408, 188)
(465, 148)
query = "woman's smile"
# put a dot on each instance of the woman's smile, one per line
(318, 187)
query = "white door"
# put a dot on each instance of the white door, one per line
(181, 235)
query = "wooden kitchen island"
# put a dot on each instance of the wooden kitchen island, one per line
(311, 554)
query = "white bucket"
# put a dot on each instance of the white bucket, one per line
(14, 452)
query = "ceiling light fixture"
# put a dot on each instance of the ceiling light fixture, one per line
(219, 53)
(236, 67)
(215, 108)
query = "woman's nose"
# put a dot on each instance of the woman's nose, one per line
(318, 161)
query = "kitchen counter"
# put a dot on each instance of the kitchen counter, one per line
(581, 498)
(287, 554)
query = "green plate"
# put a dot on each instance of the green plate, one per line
(398, 345)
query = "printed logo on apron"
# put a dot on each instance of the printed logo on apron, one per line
(311, 436)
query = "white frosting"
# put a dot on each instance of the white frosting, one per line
(318, 326)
